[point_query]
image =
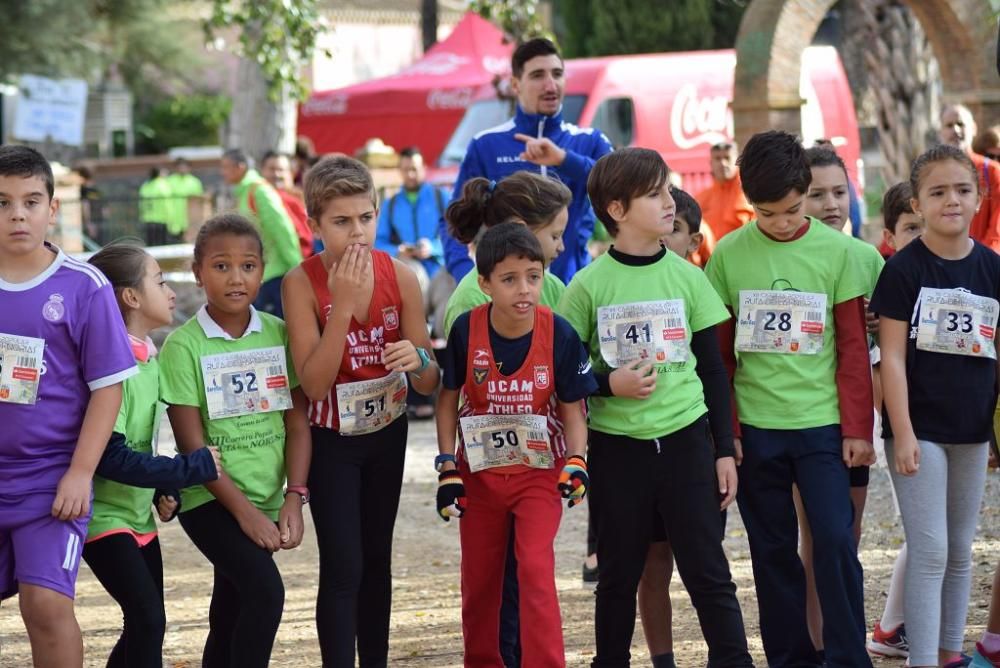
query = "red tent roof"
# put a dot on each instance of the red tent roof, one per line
(420, 105)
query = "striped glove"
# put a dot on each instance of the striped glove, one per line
(574, 481)
(450, 495)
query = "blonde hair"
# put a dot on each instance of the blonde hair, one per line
(336, 176)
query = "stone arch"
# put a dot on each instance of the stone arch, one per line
(773, 34)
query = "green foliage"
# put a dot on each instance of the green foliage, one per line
(517, 18)
(186, 120)
(598, 28)
(279, 34)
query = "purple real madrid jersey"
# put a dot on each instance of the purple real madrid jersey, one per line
(71, 307)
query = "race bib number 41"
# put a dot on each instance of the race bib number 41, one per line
(654, 331)
(246, 382)
(368, 405)
(781, 321)
(957, 322)
(20, 368)
(492, 441)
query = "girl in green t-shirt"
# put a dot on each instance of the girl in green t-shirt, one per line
(540, 203)
(122, 547)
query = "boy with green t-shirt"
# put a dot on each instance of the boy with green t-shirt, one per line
(647, 318)
(804, 401)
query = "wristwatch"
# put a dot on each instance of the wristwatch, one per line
(425, 359)
(441, 460)
(301, 491)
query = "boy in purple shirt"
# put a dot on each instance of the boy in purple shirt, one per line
(64, 353)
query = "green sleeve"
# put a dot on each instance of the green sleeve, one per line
(180, 373)
(277, 228)
(465, 298)
(853, 276)
(293, 379)
(552, 290)
(121, 421)
(716, 276)
(707, 308)
(577, 307)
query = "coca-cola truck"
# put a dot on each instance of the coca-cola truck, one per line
(678, 104)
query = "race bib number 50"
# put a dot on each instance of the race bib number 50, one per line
(20, 368)
(492, 441)
(957, 322)
(246, 382)
(781, 321)
(368, 405)
(654, 331)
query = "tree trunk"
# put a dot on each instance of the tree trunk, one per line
(257, 124)
(429, 22)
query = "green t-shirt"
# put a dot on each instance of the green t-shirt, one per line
(679, 398)
(788, 391)
(118, 506)
(871, 262)
(282, 252)
(252, 446)
(468, 296)
(181, 186)
(154, 201)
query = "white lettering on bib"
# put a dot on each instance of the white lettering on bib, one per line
(655, 331)
(20, 368)
(366, 406)
(246, 382)
(957, 322)
(781, 321)
(493, 441)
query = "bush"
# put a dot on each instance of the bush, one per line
(185, 120)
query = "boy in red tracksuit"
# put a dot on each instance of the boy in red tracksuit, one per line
(523, 374)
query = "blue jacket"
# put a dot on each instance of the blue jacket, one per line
(494, 153)
(400, 222)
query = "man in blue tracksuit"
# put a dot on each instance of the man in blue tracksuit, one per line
(536, 139)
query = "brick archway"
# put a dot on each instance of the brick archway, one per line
(773, 34)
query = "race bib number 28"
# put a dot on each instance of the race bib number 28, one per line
(781, 321)
(20, 368)
(957, 322)
(246, 382)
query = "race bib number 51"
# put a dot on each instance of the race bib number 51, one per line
(781, 321)
(957, 322)
(654, 331)
(246, 382)
(366, 406)
(20, 368)
(492, 441)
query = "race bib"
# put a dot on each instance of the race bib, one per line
(781, 321)
(368, 405)
(957, 322)
(492, 441)
(20, 368)
(655, 331)
(246, 382)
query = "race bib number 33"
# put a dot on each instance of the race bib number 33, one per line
(781, 321)
(957, 322)
(654, 331)
(366, 406)
(246, 382)
(493, 441)
(20, 368)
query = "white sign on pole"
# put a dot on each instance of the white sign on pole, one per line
(50, 109)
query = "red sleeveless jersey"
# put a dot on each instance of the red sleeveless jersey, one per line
(363, 346)
(531, 389)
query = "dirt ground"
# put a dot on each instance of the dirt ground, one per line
(426, 625)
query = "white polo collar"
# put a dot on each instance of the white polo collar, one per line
(213, 331)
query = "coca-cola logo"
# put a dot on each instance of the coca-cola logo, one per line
(325, 106)
(455, 98)
(699, 120)
(436, 65)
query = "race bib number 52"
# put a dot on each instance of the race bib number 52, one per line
(246, 382)
(20, 368)
(957, 322)
(654, 331)
(781, 321)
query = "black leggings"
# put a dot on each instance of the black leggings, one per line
(133, 576)
(355, 483)
(247, 595)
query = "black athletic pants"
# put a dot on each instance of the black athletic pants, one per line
(247, 596)
(354, 482)
(133, 576)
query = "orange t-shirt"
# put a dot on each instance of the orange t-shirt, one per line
(724, 208)
(985, 227)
